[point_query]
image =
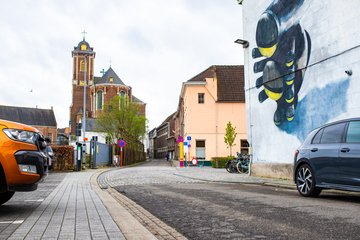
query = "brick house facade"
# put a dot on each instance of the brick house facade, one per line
(42, 119)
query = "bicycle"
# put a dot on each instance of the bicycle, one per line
(243, 163)
(231, 166)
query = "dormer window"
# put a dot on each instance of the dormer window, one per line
(82, 66)
(83, 47)
(111, 79)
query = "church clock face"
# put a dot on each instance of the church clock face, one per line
(83, 47)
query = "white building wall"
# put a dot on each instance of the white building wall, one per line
(326, 93)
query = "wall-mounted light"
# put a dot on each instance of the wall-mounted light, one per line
(348, 72)
(242, 42)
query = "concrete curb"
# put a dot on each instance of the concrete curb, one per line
(129, 226)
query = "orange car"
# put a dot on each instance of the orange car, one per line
(22, 160)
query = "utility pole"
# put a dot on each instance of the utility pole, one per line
(84, 115)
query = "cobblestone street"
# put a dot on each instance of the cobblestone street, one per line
(207, 203)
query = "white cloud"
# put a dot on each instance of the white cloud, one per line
(154, 46)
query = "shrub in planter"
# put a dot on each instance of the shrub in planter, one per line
(220, 162)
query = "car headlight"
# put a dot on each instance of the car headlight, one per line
(21, 135)
(28, 168)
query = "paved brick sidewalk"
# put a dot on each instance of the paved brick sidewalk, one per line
(71, 211)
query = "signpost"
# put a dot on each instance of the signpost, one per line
(189, 145)
(181, 146)
(121, 145)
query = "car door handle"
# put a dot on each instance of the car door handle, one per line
(345, 150)
(314, 150)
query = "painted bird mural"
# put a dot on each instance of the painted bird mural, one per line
(284, 47)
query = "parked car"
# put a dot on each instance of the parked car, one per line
(329, 158)
(50, 153)
(23, 162)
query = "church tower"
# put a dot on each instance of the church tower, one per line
(81, 54)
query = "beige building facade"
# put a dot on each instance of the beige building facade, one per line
(206, 105)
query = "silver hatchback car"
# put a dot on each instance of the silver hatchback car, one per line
(329, 158)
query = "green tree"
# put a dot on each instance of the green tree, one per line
(121, 116)
(230, 136)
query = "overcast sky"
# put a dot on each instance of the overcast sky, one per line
(154, 46)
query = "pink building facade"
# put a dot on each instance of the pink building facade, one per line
(207, 103)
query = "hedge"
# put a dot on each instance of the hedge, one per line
(64, 156)
(220, 162)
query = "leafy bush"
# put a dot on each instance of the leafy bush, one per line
(220, 162)
(64, 156)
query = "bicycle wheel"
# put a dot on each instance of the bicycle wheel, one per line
(238, 166)
(245, 167)
(227, 166)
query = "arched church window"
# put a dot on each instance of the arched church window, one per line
(82, 66)
(99, 100)
(92, 101)
(83, 47)
(122, 99)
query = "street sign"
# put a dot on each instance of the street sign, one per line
(121, 143)
(194, 161)
(189, 138)
(189, 145)
(69, 122)
(185, 143)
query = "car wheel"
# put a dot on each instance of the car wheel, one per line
(4, 197)
(305, 182)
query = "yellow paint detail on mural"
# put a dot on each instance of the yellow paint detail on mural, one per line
(83, 47)
(290, 82)
(290, 64)
(268, 52)
(290, 100)
(272, 95)
(277, 123)
(290, 119)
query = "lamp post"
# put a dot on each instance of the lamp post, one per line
(245, 44)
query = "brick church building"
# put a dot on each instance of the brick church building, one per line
(99, 90)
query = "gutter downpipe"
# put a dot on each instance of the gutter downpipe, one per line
(216, 135)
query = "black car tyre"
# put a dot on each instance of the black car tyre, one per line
(4, 197)
(305, 182)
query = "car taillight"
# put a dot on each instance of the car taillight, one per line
(295, 155)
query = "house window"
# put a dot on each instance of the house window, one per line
(99, 100)
(111, 79)
(49, 135)
(83, 47)
(82, 66)
(200, 149)
(201, 97)
(244, 146)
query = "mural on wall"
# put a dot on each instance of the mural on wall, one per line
(286, 47)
